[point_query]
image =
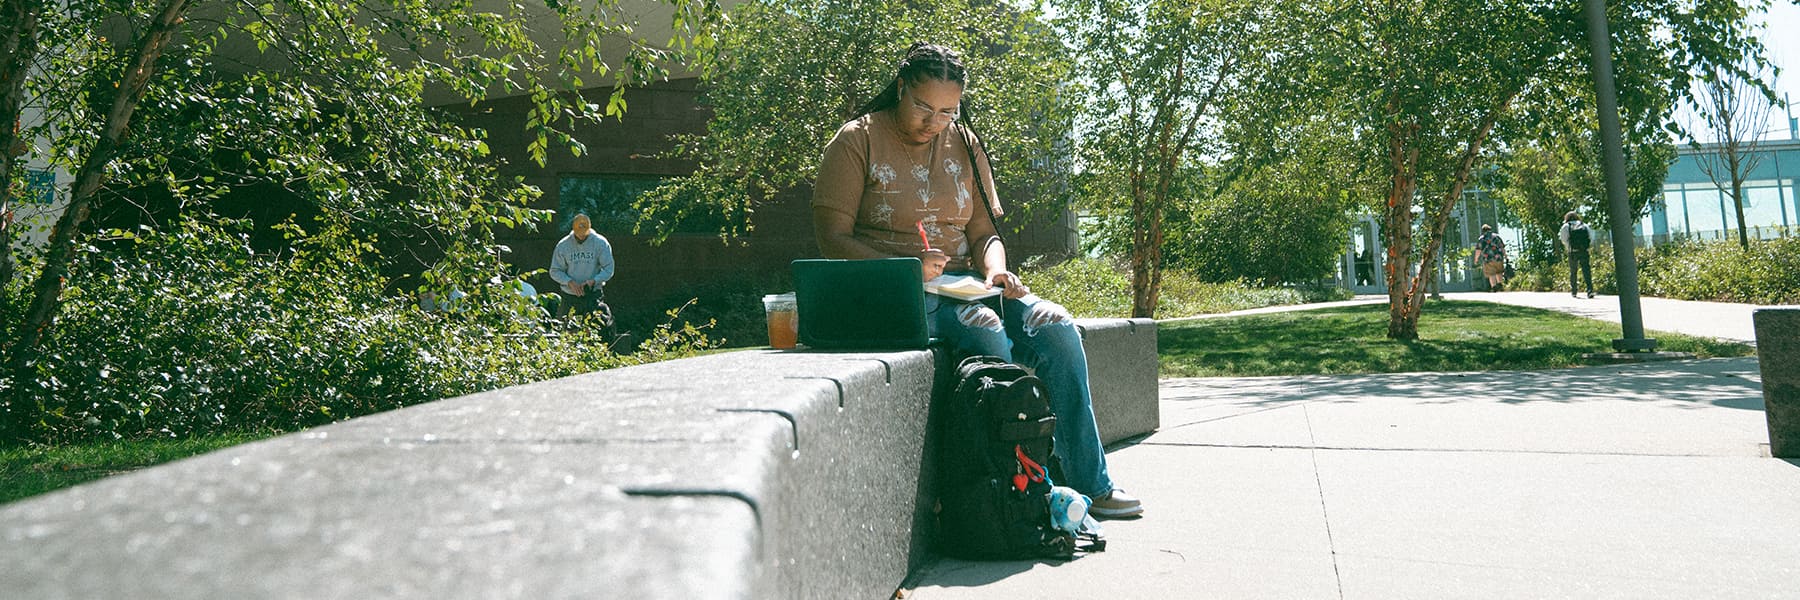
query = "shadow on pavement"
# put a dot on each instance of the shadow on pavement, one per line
(951, 572)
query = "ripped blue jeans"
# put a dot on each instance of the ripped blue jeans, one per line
(1039, 334)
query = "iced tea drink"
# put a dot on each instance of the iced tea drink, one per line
(784, 322)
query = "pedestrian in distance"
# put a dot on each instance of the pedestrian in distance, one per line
(581, 266)
(1365, 268)
(907, 177)
(1490, 253)
(1576, 239)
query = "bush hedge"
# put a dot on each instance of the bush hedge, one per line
(1716, 270)
(192, 331)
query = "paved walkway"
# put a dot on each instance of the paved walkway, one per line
(1634, 481)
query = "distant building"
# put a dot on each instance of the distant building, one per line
(1693, 206)
(46, 193)
(1362, 267)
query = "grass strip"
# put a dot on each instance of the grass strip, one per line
(32, 470)
(1453, 336)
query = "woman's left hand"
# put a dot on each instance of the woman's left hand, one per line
(1010, 284)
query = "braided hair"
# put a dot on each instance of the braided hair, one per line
(923, 62)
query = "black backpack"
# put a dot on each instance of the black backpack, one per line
(994, 452)
(1578, 236)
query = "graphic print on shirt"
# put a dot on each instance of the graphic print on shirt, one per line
(962, 192)
(883, 173)
(930, 223)
(883, 212)
(923, 176)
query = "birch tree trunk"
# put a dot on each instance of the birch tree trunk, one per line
(60, 250)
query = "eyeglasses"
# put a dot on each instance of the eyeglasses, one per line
(941, 117)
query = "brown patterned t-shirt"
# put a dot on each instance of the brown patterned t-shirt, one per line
(893, 189)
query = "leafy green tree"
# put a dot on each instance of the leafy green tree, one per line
(787, 73)
(1432, 87)
(1156, 76)
(1538, 184)
(1550, 164)
(1284, 223)
(190, 330)
(324, 100)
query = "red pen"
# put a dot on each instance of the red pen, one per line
(922, 238)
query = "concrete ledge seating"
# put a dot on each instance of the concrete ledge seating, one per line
(753, 474)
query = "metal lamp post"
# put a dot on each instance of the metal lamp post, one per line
(1624, 241)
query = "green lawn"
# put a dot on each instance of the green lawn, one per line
(1453, 336)
(35, 470)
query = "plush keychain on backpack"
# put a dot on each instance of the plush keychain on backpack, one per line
(1067, 508)
(1068, 512)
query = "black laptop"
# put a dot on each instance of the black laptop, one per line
(874, 303)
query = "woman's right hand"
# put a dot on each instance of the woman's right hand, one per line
(933, 262)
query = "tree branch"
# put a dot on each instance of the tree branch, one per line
(133, 82)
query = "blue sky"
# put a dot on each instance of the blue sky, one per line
(1782, 37)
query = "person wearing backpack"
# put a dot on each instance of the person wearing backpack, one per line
(906, 176)
(1576, 238)
(1490, 253)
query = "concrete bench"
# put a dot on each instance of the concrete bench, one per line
(755, 474)
(1778, 351)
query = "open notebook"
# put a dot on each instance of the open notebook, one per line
(961, 287)
(875, 303)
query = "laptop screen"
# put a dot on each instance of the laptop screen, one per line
(874, 303)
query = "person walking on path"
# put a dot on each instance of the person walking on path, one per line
(1491, 254)
(905, 177)
(581, 264)
(1576, 238)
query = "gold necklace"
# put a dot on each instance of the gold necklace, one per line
(920, 172)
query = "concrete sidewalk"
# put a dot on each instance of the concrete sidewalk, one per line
(1636, 481)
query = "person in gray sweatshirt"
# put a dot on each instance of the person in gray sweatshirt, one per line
(582, 263)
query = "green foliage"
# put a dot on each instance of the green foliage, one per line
(1100, 288)
(1767, 273)
(1553, 167)
(1455, 336)
(192, 332)
(1537, 185)
(1277, 226)
(788, 73)
(327, 104)
(1156, 78)
(1431, 91)
(1282, 223)
(1552, 273)
(1714, 271)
